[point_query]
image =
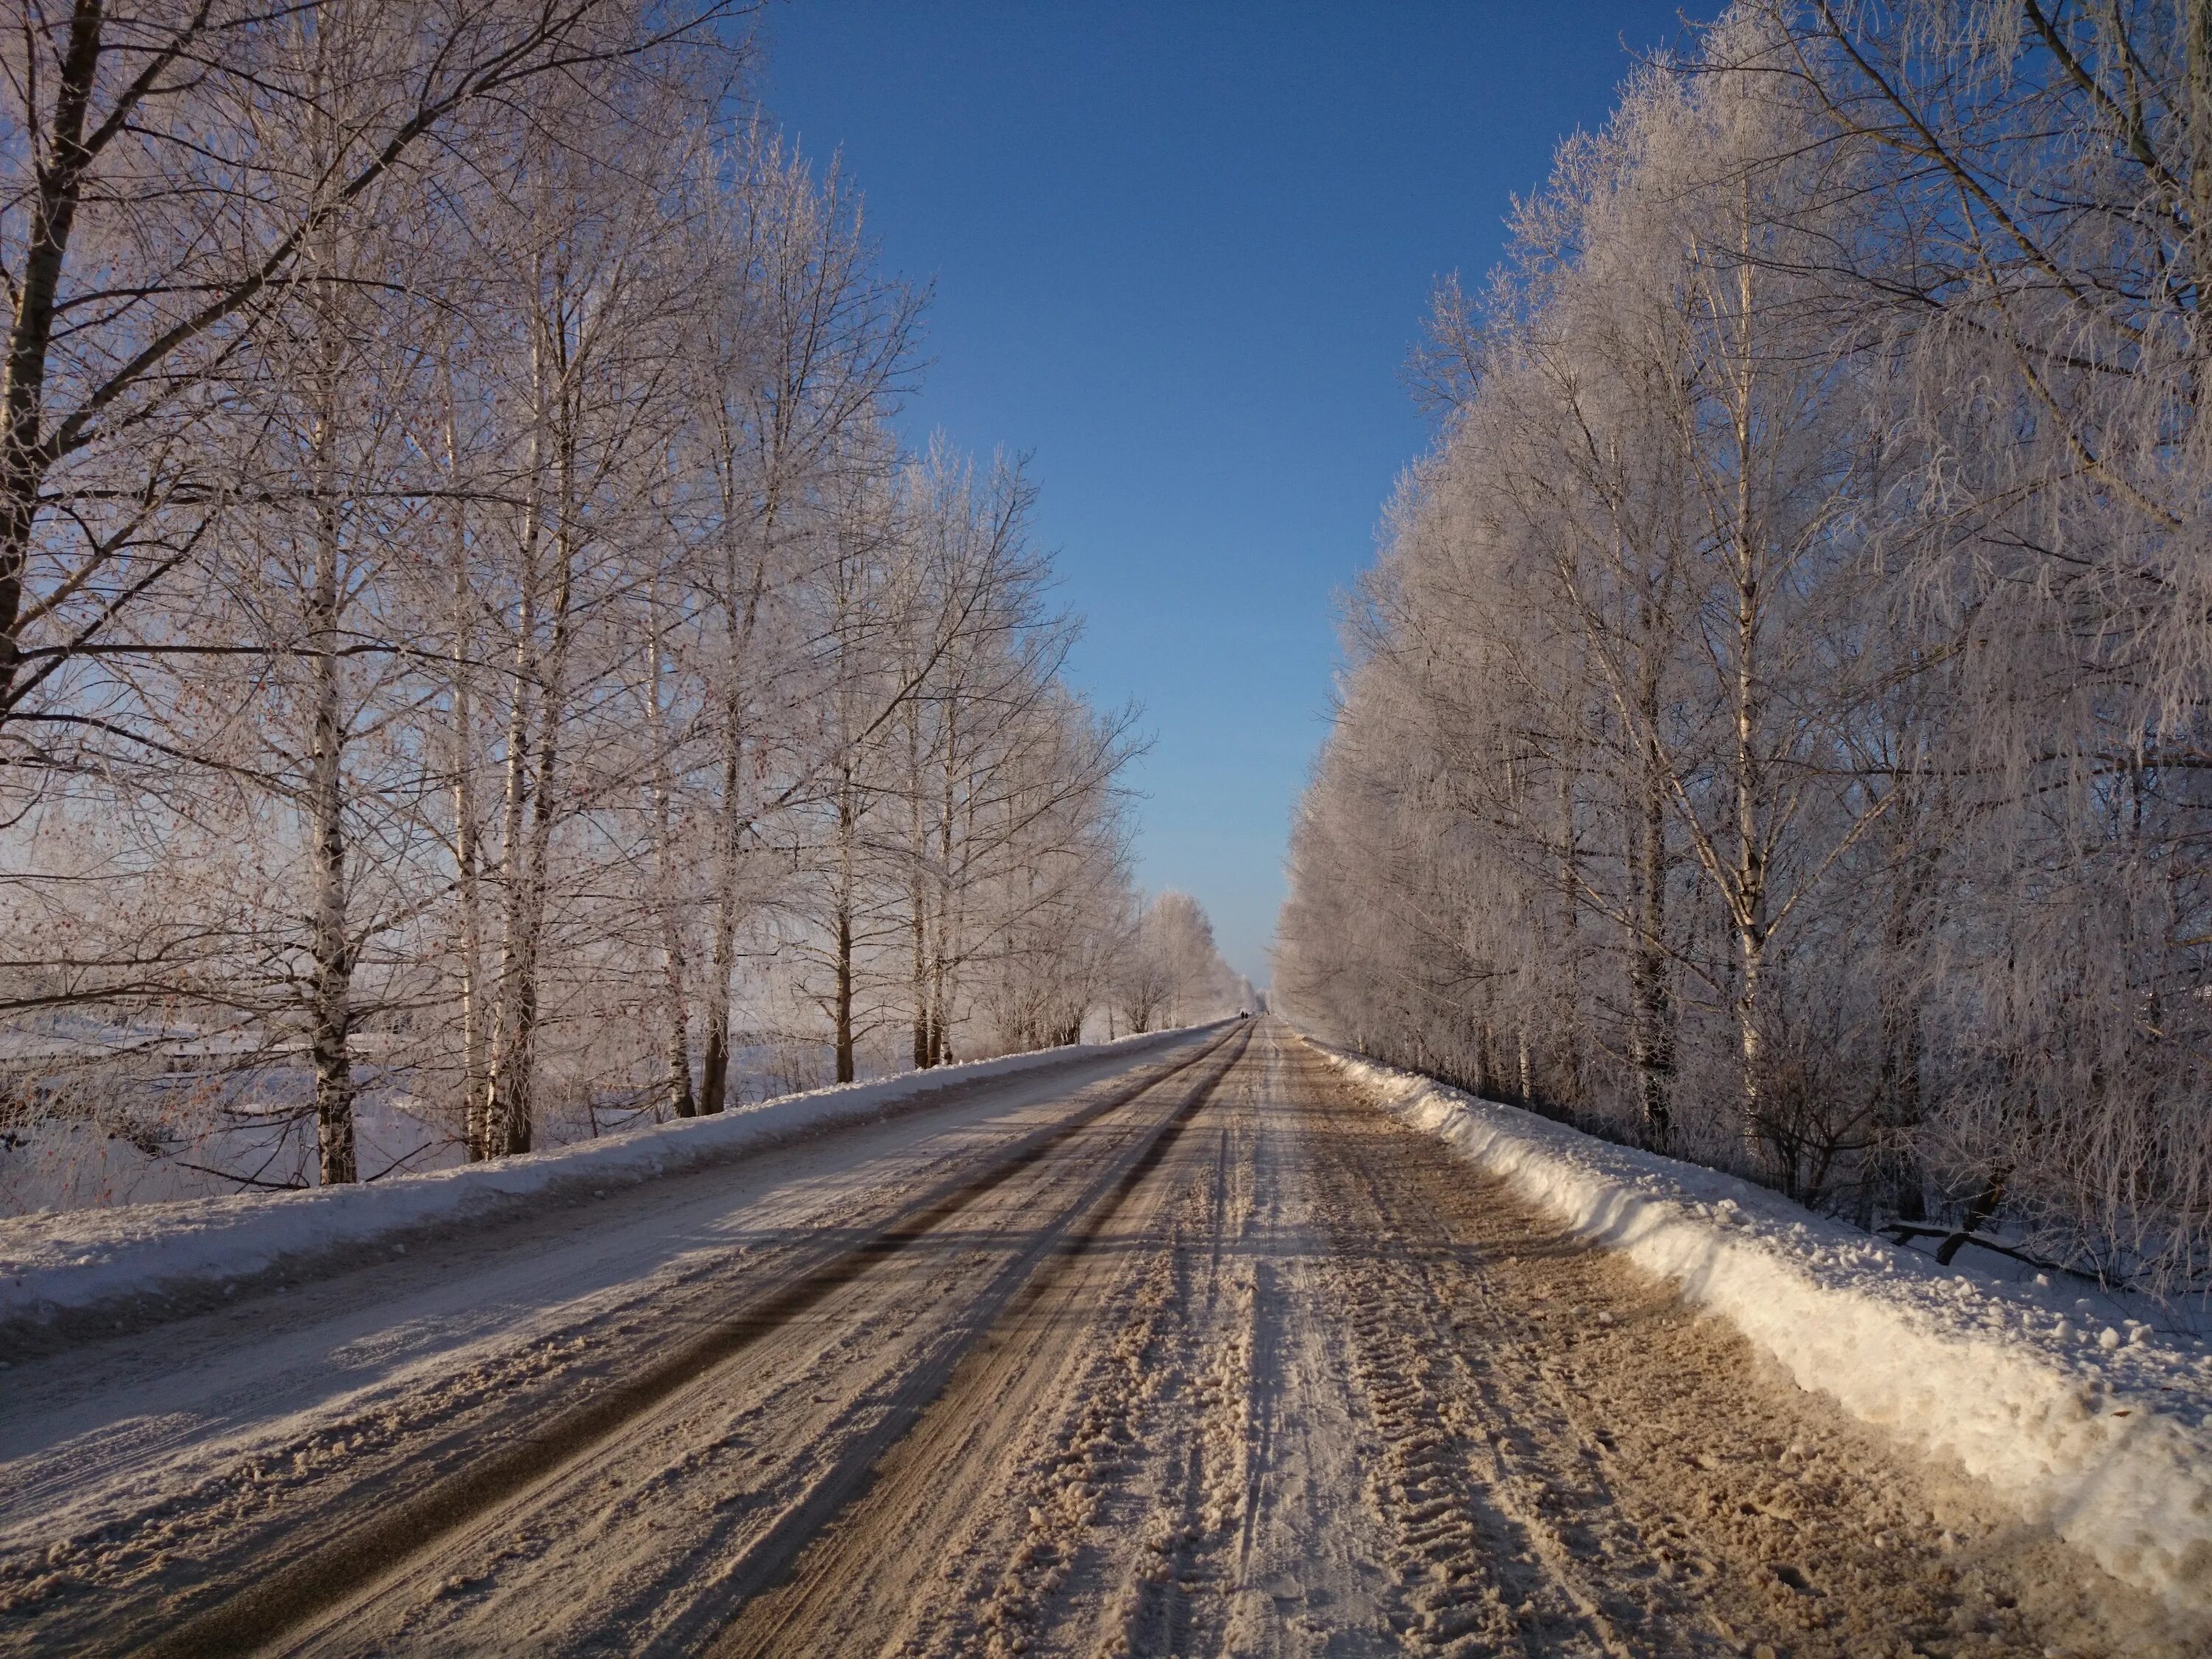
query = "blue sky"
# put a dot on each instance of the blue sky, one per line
(1179, 253)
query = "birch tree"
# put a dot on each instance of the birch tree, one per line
(1801, 583)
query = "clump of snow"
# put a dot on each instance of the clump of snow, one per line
(53, 1264)
(2108, 1441)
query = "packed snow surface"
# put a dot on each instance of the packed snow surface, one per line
(1277, 1374)
(53, 1263)
(2094, 1423)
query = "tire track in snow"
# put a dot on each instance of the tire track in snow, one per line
(1450, 1550)
(1073, 1483)
(1285, 1381)
(247, 1436)
(959, 1421)
(1648, 1484)
(338, 1567)
(1175, 1599)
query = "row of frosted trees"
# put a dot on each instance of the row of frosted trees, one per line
(1171, 972)
(467, 637)
(1775, 730)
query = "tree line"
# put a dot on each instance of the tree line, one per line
(469, 637)
(1774, 730)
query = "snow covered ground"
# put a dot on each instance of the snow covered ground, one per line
(2080, 1410)
(1191, 1351)
(119, 1265)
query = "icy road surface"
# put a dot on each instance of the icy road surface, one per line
(1200, 1354)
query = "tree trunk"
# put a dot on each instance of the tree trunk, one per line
(677, 1045)
(925, 1036)
(951, 910)
(714, 1080)
(715, 1068)
(1751, 942)
(330, 1015)
(518, 1124)
(1651, 1036)
(507, 1085)
(1898, 1183)
(2196, 22)
(44, 248)
(1750, 897)
(468, 853)
(1569, 999)
(675, 1006)
(925, 1029)
(844, 994)
(533, 756)
(506, 1091)
(846, 827)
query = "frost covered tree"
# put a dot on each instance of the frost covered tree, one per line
(1772, 732)
(1172, 973)
(475, 668)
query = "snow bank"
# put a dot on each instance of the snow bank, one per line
(2099, 1431)
(53, 1265)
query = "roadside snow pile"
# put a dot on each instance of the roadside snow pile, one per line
(57, 1263)
(2101, 1430)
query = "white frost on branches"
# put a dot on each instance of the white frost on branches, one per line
(475, 671)
(1775, 730)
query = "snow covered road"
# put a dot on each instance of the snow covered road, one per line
(1199, 1352)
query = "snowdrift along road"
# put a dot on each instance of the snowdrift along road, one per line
(2103, 1438)
(96, 1269)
